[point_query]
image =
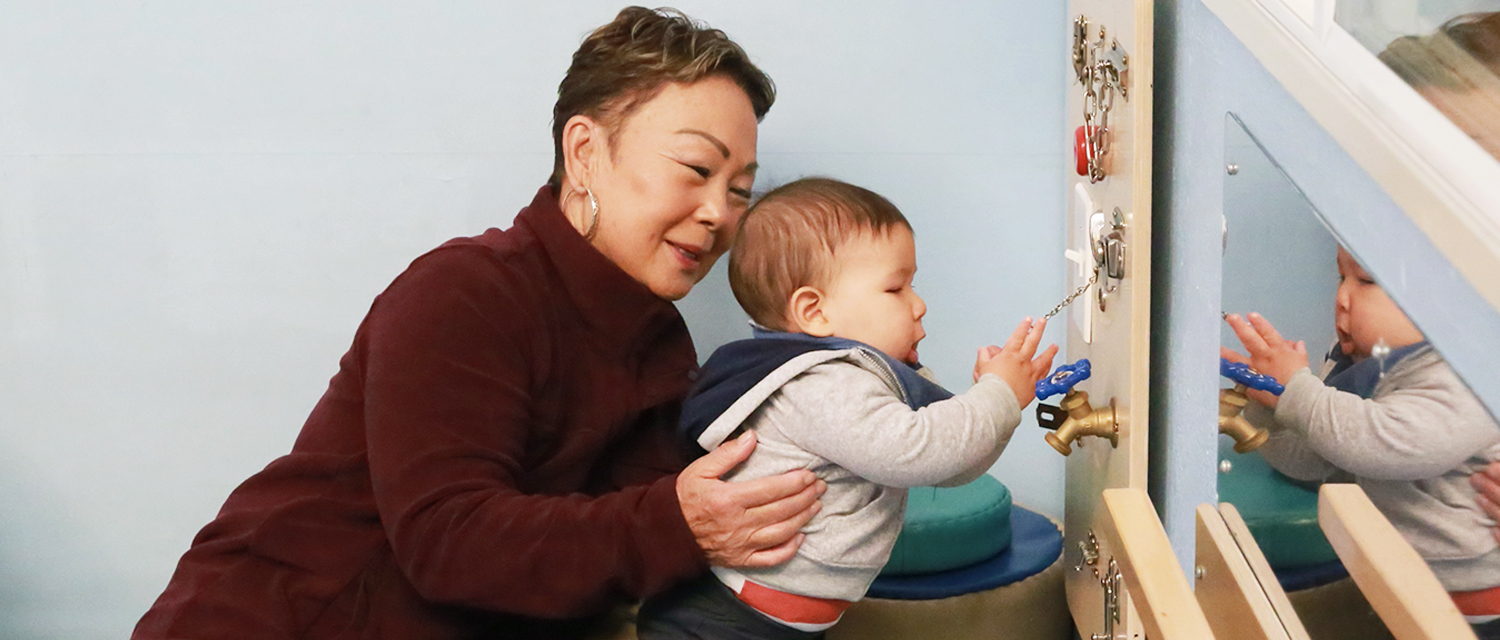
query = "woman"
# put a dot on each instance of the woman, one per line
(495, 456)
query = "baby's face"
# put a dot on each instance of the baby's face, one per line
(1364, 316)
(871, 299)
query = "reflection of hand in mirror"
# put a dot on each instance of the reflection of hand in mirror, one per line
(1266, 398)
(1270, 353)
(1486, 482)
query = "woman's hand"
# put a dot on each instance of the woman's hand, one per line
(756, 523)
(1270, 353)
(1486, 482)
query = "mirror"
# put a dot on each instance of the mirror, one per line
(1279, 261)
(1282, 262)
(1447, 50)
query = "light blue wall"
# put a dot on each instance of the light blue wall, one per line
(198, 202)
(1279, 259)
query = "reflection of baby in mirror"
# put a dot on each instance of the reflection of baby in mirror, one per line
(1388, 413)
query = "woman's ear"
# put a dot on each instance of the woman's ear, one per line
(806, 313)
(582, 142)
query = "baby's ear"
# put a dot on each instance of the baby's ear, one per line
(805, 313)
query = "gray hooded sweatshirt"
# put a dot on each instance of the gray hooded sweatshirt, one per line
(1411, 446)
(841, 415)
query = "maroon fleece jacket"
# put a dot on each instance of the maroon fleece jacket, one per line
(494, 458)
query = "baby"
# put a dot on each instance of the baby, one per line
(830, 383)
(1388, 411)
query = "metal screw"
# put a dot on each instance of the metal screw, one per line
(1225, 466)
(1233, 169)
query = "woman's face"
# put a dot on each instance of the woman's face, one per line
(673, 181)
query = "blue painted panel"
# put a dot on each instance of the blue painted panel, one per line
(1204, 72)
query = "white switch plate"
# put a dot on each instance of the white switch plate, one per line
(1081, 254)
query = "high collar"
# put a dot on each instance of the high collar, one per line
(622, 313)
(1360, 378)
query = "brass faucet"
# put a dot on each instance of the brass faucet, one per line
(1232, 402)
(1081, 420)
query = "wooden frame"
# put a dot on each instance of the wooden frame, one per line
(1119, 347)
(1261, 567)
(1227, 586)
(1446, 184)
(1149, 570)
(1396, 581)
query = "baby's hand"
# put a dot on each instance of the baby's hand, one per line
(1014, 363)
(1266, 398)
(1269, 352)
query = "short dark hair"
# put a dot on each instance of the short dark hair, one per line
(789, 237)
(625, 63)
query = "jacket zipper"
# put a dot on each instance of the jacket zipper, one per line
(885, 371)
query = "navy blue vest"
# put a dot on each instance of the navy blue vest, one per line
(1360, 378)
(735, 368)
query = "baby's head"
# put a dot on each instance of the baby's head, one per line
(827, 258)
(1364, 316)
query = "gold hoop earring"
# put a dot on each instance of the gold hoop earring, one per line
(593, 220)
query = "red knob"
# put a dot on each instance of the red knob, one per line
(1081, 149)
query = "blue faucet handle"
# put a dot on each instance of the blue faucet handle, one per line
(1063, 379)
(1243, 374)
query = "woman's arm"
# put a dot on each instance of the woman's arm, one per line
(447, 388)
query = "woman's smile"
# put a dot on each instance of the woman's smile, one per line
(690, 256)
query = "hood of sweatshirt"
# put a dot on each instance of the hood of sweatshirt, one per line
(736, 376)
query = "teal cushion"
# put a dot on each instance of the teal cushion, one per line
(1281, 513)
(951, 528)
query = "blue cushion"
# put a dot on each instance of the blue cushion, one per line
(1281, 513)
(1299, 578)
(1035, 544)
(1282, 516)
(952, 527)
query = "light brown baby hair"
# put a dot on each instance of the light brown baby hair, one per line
(791, 236)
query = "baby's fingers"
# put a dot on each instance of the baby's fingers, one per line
(1018, 337)
(1267, 332)
(1033, 338)
(1042, 365)
(1232, 355)
(984, 355)
(1252, 340)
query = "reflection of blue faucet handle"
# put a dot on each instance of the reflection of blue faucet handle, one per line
(1243, 374)
(1063, 379)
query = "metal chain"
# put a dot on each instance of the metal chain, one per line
(1073, 296)
(1098, 75)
